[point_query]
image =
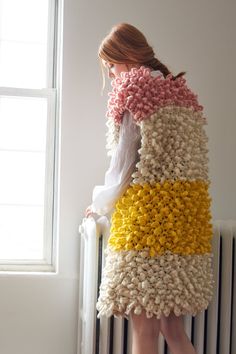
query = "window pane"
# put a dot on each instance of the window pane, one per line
(22, 65)
(21, 229)
(23, 43)
(23, 123)
(22, 178)
(23, 132)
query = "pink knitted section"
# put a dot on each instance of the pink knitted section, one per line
(142, 94)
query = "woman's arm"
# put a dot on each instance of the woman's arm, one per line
(122, 164)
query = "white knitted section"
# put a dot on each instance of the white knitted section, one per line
(174, 147)
(133, 281)
(112, 135)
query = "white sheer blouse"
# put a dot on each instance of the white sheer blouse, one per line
(122, 165)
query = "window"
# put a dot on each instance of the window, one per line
(28, 133)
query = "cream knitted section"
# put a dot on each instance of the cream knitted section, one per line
(171, 282)
(174, 147)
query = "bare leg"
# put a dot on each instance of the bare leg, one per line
(145, 332)
(172, 328)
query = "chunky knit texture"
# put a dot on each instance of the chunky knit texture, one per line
(143, 94)
(170, 216)
(159, 285)
(159, 256)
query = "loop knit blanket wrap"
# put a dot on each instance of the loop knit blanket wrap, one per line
(159, 253)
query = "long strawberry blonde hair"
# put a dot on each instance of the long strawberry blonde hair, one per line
(125, 44)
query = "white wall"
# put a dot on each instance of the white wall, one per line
(38, 312)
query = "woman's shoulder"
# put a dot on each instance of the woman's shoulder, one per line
(127, 90)
(143, 91)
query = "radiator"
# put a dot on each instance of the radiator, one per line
(211, 332)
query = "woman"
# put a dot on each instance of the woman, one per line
(158, 259)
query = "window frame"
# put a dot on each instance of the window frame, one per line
(52, 94)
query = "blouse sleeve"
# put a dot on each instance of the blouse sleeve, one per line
(122, 165)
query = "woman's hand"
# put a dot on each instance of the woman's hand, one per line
(88, 211)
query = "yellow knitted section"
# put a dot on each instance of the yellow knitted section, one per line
(174, 215)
